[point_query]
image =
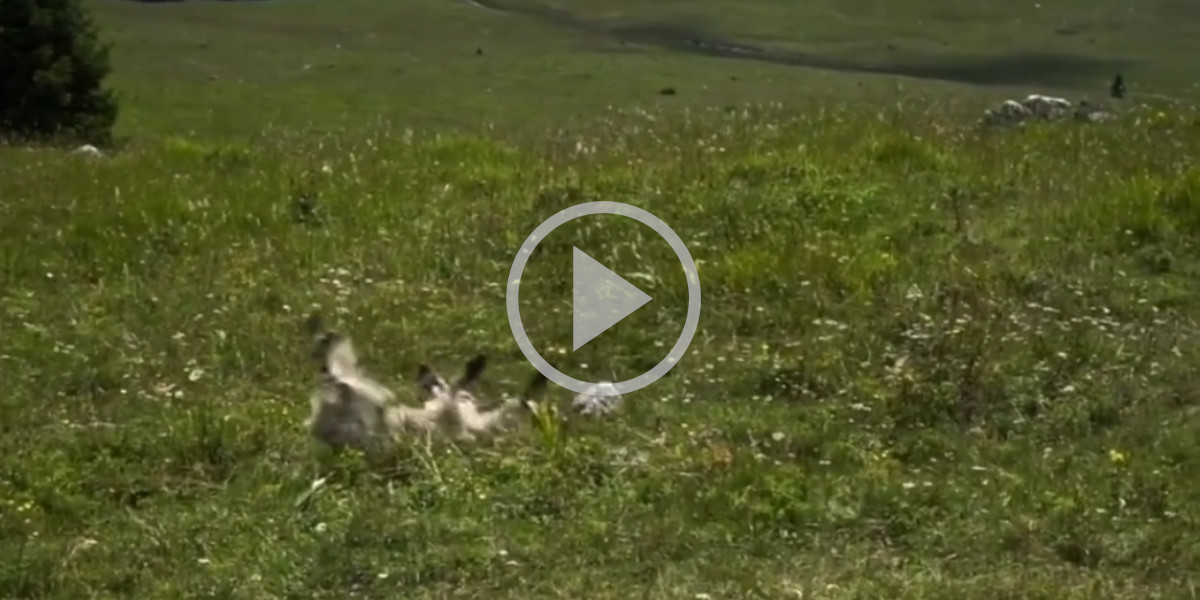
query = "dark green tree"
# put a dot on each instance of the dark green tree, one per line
(53, 68)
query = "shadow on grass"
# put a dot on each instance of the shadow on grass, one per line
(1046, 69)
(1008, 69)
(1019, 68)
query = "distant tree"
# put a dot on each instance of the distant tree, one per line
(52, 72)
(1117, 89)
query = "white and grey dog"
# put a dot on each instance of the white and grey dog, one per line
(351, 409)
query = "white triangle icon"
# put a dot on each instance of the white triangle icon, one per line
(599, 298)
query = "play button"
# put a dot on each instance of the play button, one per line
(599, 298)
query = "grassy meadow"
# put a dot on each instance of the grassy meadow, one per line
(933, 362)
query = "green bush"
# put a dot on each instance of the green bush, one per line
(52, 72)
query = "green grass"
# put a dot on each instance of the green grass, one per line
(933, 362)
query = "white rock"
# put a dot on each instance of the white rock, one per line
(88, 150)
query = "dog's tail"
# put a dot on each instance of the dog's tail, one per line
(535, 387)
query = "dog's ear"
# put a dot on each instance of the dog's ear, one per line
(473, 371)
(428, 379)
(536, 385)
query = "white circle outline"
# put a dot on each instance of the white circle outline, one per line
(513, 290)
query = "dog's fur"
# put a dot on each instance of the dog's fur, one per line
(350, 409)
(455, 408)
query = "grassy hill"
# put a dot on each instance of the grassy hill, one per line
(933, 361)
(228, 67)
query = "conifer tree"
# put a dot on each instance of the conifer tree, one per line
(53, 68)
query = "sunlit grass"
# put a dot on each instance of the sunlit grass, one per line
(932, 362)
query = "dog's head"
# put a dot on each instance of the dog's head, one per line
(432, 385)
